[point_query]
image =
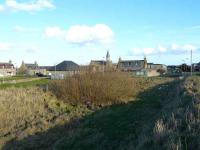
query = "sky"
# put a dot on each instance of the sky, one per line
(50, 31)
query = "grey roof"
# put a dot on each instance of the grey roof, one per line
(2, 63)
(6, 64)
(131, 65)
(31, 66)
(45, 67)
(65, 66)
(124, 61)
(98, 62)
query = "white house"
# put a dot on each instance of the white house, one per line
(7, 69)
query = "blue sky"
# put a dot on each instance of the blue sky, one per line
(50, 31)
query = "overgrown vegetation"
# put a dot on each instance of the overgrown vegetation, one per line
(160, 113)
(44, 122)
(25, 112)
(95, 88)
(179, 128)
(100, 89)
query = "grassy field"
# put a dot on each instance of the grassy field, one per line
(162, 114)
(14, 78)
(25, 83)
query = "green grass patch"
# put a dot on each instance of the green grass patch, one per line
(25, 84)
(14, 78)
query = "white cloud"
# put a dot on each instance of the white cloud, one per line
(148, 50)
(54, 32)
(31, 49)
(19, 29)
(162, 48)
(1, 8)
(137, 51)
(176, 49)
(24, 29)
(143, 51)
(83, 34)
(26, 6)
(171, 49)
(4, 46)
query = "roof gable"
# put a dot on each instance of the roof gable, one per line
(66, 66)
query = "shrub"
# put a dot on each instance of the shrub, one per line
(94, 88)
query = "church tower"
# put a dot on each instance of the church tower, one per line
(108, 61)
(108, 57)
(145, 63)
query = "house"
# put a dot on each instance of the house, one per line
(157, 66)
(174, 70)
(147, 73)
(102, 65)
(141, 67)
(196, 67)
(67, 68)
(7, 69)
(31, 69)
(97, 65)
(185, 68)
(160, 68)
(132, 65)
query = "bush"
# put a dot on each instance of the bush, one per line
(94, 88)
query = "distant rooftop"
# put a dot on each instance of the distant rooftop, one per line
(65, 66)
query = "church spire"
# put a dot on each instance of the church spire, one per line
(108, 56)
(145, 62)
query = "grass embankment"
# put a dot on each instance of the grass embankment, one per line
(41, 121)
(179, 127)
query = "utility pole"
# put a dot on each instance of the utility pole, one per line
(191, 62)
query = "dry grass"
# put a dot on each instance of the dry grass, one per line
(181, 127)
(30, 113)
(101, 89)
(95, 88)
(25, 112)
